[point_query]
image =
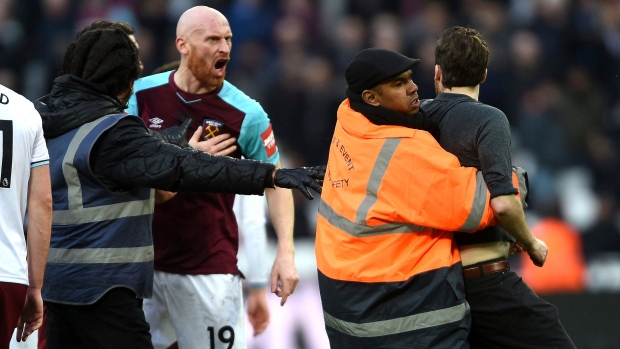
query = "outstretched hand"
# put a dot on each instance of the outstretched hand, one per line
(301, 178)
(177, 134)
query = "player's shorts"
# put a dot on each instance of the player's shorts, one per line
(197, 311)
(12, 298)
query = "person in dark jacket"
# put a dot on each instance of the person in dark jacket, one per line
(103, 164)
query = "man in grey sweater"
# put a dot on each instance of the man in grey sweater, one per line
(506, 313)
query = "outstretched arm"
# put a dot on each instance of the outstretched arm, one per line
(128, 156)
(39, 231)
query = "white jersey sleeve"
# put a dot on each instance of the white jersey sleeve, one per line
(40, 155)
(251, 213)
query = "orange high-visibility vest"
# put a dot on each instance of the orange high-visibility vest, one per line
(391, 198)
(386, 192)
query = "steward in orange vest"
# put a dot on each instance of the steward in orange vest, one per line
(389, 271)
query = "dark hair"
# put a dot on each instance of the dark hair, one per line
(106, 57)
(103, 24)
(463, 56)
(98, 25)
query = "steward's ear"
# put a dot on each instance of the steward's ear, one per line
(370, 97)
(484, 77)
(438, 73)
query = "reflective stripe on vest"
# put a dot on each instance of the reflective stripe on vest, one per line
(404, 324)
(101, 213)
(101, 255)
(376, 175)
(362, 230)
(479, 204)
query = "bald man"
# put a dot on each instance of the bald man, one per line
(197, 297)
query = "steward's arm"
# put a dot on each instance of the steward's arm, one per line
(128, 156)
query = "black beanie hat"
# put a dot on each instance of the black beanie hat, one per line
(374, 65)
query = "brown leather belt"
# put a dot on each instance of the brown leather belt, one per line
(489, 268)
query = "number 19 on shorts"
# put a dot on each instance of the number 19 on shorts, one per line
(225, 335)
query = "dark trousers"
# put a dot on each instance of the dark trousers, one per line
(507, 314)
(115, 321)
(12, 300)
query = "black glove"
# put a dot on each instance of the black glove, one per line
(175, 134)
(301, 178)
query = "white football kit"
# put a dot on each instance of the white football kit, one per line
(22, 147)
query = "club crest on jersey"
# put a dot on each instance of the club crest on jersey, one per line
(269, 141)
(155, 122)
(211, 128)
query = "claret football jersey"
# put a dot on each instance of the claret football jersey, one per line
(196, 233)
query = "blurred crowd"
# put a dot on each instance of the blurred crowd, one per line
(553, 71)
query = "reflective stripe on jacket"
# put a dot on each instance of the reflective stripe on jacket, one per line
(100, 240)
(390, 198)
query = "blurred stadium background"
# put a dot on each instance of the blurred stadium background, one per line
(553, 71)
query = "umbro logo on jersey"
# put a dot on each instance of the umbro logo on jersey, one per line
(155, 122)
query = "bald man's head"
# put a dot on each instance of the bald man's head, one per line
(196, 18)
(204, 39)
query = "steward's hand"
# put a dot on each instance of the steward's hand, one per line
(301, 178)
(176, 134)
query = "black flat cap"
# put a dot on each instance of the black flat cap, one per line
(374, 65)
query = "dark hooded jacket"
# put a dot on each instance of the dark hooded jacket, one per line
(128, 155)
